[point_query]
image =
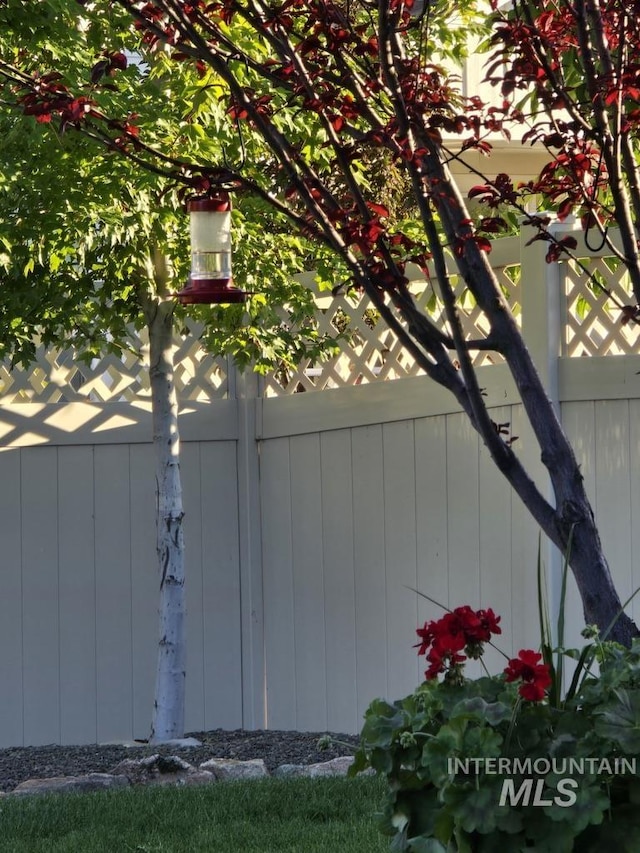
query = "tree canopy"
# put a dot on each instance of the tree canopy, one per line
(80, 228)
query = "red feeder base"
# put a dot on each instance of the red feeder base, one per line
(210, 291)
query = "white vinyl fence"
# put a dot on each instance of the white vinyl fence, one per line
(311, 517)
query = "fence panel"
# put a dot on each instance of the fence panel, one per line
(427, 511)
(79, 605)
(277, 567)
(77, 568)
(11, 634)
(339, 579)
(222, 643)
(40, 595)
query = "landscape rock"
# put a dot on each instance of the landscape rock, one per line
(189, 780)
(334, 767)
(230, 769)
(162, 770)
(66, 784)
(137, 770)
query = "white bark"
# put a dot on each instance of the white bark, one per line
(169, 700)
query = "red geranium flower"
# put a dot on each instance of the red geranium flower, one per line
(441, 660)
(447, 642)
(443, 640)
(426, 638)
(535, 675)
(489, 622)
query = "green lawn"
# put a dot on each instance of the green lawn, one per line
(269, 816)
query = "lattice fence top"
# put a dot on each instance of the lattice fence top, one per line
(368, 351)
(58, 376)
(592, 325)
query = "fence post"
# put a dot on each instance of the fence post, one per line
(246, 389)
(543, 325)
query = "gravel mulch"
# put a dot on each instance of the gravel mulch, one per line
(17, 764)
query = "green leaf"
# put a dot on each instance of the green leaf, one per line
(474, 809)
(589, 808)
(619, 720)
(478, 708)
(382, 722)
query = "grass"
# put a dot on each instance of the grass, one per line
(268, 816)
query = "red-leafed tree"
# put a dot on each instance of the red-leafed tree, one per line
(366, 78)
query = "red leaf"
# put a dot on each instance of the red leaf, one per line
(565, 209)
(237, 113)
(482, 191)
(629, 313)
(492, 224)
(569, 242)
(118, 60)
(378, 209)
(483, 243)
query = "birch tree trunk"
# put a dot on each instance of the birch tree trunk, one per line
(169, 700)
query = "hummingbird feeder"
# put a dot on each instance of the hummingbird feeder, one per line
(210, 278)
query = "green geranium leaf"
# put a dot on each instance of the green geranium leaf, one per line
(478, 708)
(436, 755)
(382, 723)
(620, 720)
(509, 820)
(589, 808)
(563, 745)
(381, 760)
(473, 809)
(482, 742)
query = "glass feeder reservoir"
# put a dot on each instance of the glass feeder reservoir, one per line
(210, 277)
